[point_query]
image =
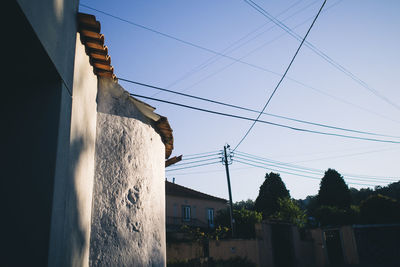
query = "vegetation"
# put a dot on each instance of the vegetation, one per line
(202, 235)
(333, 191)
(269, 194)
(244, 221)
(380, 209)
(337, 205)
(247, 205)
(289, 211)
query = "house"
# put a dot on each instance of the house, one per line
(84, 160)
(185, 206)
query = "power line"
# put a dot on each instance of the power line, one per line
(231, 48)
(184, 158)
(343, 156)
(232, 58)
(266, 122)
(296, 174)
(315, 171)
(320, 53)
(196, 161)
(259, 47)
(212, 171)
(189, 167)
(175, 38)
(202, 153)
(280, 81)
(252, 110)
(386, 178)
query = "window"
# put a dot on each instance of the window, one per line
(186, 213)
(210, 217)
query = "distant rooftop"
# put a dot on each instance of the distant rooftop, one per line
(173, 189)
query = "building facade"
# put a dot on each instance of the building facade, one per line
(185, 206)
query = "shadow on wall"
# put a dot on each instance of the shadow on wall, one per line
(75, 232)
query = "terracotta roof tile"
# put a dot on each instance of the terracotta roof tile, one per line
(89, 29)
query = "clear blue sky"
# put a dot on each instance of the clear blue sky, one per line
(361, 35)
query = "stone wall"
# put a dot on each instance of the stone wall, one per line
(128, 215)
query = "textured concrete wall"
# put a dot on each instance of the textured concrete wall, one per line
(54, 22)
(69, 243)
(128, 216)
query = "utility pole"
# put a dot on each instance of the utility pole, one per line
(229, 188)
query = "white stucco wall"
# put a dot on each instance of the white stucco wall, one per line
(128, 216)
(71, 218)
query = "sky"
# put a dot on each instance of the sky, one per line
(227, 51)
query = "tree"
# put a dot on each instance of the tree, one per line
(333, 191)
(380, 209)
(289, 211)
(334, 216)
(359, 195)
(270, 192)
(244, 221)
(247, 205)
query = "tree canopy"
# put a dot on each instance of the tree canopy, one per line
(333, 191)
(244, 204)
(269, 194)
(244, 221)
(289, 211)
(380, 209)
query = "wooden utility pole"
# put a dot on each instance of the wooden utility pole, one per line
(229, 189)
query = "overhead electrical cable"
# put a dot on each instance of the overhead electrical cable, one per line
(184, 158)
(343, 156)
(176, 38)
(196, 161)
(320, 53)
(383, 178)
(266, 122)
(203, 153)
(211, 171)
(238, 60)
(233, 46)
(316, 172)
(252, 110)
(258, 48)
(195, 166)
(283, 77)
(296, 174)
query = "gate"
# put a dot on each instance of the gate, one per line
(334, 248)
(282, 245)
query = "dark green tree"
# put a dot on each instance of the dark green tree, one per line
(290, 212)
(244, 204)
(269, 194)
(392, 190)
(333, 191)
(244, 221)
(380, 209)
(334, 216)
